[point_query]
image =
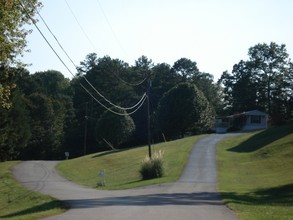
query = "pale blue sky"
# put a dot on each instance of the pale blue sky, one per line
(214, 33)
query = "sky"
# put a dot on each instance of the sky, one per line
(216, 34)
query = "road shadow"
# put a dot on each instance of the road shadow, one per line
(178, 199)
(262, 139)
(281, 195)
(37, 209)
(110, 152)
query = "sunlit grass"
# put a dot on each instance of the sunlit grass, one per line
(256, 174)
(122, 167)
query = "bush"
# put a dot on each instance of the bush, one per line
(152, 167)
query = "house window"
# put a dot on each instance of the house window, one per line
(255, 119)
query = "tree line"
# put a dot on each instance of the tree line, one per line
(263, 82)
(43, 115)
(51, 114)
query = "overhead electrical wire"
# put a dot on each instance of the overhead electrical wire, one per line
(119, 107)
(128, 83)
(116, 38)
(139, 103)
(111, 28)
(33, 21)
(55, 38)
(80, 26)
(114, 112)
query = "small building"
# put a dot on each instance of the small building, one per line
(246, 121)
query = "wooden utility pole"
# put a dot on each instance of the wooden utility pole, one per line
(149, 116)
(85, 128)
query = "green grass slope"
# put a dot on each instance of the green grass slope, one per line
(16, 202)
(122, 166)
(255, 174)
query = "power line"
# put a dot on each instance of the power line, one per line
(80, 26)
(128, 83)
(33, 21)
(110, 26)
(131, 84)
(114, 112)
(139, 104)
(119, 107)
(56, 38)
(119, 43)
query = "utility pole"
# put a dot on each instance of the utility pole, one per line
(85, 128)
(149, 116)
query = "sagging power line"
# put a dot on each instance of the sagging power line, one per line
(114, 112)
(80, 26)
(110, 26)
(138, 104)
(119, 107)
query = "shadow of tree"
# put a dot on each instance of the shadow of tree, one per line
(37, 209)
(282, 195)
(109, 152)
(270, 196)
(157, 199)
(262, 139)
(160, 199)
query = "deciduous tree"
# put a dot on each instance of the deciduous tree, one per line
(263, 82)
(13, 16)
(115, 129)
(184, 108)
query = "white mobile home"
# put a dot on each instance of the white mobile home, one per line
(246, 121)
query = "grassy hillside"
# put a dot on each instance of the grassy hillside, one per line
(256, 174)
(122, 167)
(16, 202)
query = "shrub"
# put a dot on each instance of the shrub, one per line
(152, 167)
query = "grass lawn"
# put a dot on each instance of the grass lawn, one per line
(122, 166)
(255, 174)
(16, 202)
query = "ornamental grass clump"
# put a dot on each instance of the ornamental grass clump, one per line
(152, 167)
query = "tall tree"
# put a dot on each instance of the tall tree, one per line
(205, 83)
(270, 67)
(185, 68)
(14, 128)
(51, 83)
(114, 129)
(163, 79)
(240, 88)
(142, 72)
(41, 144)
(263, 82)
(49, 102)
(110, 83)
(184, 108)
(13, 15)
(187, 71)
(14, 122)
(91, 60)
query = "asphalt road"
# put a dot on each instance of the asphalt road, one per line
(193, 196)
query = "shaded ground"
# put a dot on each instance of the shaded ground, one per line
(194, 196)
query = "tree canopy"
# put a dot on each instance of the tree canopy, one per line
(262, 82)
(184, 108)
(51, 114)
(114, 129)
(13, 15)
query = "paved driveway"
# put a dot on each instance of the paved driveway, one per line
(193, 196)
